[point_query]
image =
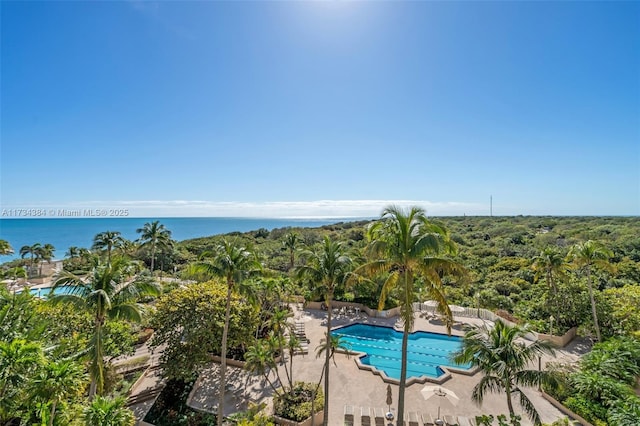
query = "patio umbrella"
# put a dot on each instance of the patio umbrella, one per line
(440, 392)
(389, 397)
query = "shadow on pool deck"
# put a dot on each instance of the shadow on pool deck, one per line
(358, 388)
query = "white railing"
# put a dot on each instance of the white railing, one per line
(466, 312)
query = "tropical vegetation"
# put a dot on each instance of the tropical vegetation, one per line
(505, 364)
(411, 254)
(549, 273)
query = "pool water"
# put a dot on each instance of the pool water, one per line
(44, 292)
(426, 352)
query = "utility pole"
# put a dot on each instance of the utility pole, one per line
(491, 205)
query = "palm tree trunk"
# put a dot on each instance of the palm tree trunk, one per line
(53, 412)
(97, 370)
(593, 305)
(327, 359)
(153, 256)
(507, 390)
(403, 374)
(223, 355)
(291, 370)
(313, 399)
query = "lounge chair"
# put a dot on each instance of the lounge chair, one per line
(428, 420)
(378, 414)
(412, 419)
(303, 349)
(348, 415)
(464, 421)
(451, 420)
(365, 416)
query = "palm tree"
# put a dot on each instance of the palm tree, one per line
(107, 240)
(234, 263)
(326, 269)
(73, 252)
(44, 252)
(19, 360)
(404, 245)
(108, 412)
(585, 257)
(550, 263)
(329, 346)
(156, 236)
(32, 251)
(109, 290)
(278, 322)
(5, 248)
(290, 243)
(259, 359)
(57, 382)
(504, 361)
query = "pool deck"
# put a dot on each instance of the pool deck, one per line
(358, 388)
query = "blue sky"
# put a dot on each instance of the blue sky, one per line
(321, 108)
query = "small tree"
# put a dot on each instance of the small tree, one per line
(587, 256)
(108, 412)
(504, 361)
(190, 322)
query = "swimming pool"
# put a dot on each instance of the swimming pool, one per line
(427, 353)
(44, 292)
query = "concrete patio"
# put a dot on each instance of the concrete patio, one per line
(357, 388)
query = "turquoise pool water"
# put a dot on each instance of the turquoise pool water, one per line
(44, 292)
(426, 354)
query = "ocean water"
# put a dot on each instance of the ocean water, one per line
(63, 233)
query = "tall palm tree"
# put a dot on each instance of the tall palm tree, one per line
(279, 323)
(404, 245)
(44, 252)
(109, 290)
(329, 345)
(32, 251)
(326, 269)
(107, 240)
(156, 236)
(503, 361)
(108, 412)
(5, 248)
(73, 252)
(290, 243)
(234, 263)
(58, 381)
(585, 257)
(551, 264)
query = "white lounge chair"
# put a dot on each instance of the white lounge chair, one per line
(464, 421)
(348, 415)
(365, 416)
(412, 419)
(379, 416)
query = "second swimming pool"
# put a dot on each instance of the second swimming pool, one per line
(426, 354)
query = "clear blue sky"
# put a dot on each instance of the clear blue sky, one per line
(268, 108)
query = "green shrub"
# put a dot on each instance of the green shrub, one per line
(295, 403)
(586, 408)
